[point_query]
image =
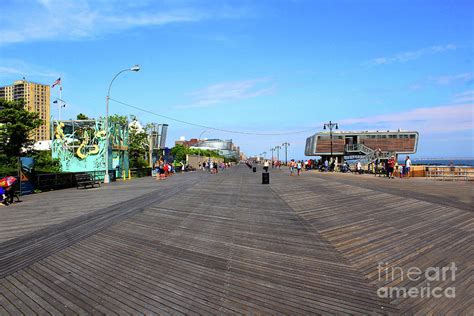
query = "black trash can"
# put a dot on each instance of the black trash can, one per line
(265, 178)
(254, 169)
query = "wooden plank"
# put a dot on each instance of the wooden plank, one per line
(225, 244)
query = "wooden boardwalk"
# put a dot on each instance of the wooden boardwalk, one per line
(226, 244)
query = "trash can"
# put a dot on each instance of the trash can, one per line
(265, 178)
(254, 169)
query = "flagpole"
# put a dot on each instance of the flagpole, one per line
(60, 100)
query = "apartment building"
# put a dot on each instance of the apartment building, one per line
(37, 99)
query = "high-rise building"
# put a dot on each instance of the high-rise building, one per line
(37, 99)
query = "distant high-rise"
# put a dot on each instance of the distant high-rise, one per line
(37, 99)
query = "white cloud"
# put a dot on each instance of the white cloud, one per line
(452, 117)
(449, 79)
(467, 96)
(411, 55)
(443, 80)
(13, 69)
(229, 91)
(72, 20)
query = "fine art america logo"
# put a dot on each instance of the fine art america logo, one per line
(431, 281)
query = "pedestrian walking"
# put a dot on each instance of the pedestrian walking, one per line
(407, 166)
(391, 166)
(266, 165)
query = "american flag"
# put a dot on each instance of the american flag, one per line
(58, 81)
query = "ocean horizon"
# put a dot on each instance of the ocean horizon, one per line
(441, 161)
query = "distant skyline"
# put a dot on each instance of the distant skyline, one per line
(256, 66)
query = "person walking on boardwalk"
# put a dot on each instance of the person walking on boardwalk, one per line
(298, 167)
(266, 165)
(162, 170)
(292, 167)
(391, 166)
(376, 166)
(407, 166)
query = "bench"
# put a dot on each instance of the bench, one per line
(84, 180)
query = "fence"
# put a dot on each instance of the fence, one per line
(450, 173)
(57, 181)
(64, 180)
(140, 172)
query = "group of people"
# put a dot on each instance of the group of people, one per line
(295, 167)
(213, 166)
(163, 169)
(390, 168)
(327, 165)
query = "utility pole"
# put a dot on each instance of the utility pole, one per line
(107, 129)
(278, 152)
(272, 150)
(286, 144)
(330, 125)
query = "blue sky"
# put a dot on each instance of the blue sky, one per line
(257, 66)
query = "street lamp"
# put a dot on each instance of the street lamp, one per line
(330, 125)
(278, 152)
(60, 105)
(204, 131)
(272, 150)
(286, 144)
(107, 136)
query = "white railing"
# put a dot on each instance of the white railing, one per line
(450, 173)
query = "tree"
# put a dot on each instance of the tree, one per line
(16, 127)
(81, 116)
(120, 119)
(179, 152)
(44, 163)
(137, 148)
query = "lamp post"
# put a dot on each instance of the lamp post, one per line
(272, 150)
(61, 104)
(286, 144)
(278, 152)
(107, 136)
(330, 125)
(204, 131)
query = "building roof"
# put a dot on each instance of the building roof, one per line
(367, 132)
